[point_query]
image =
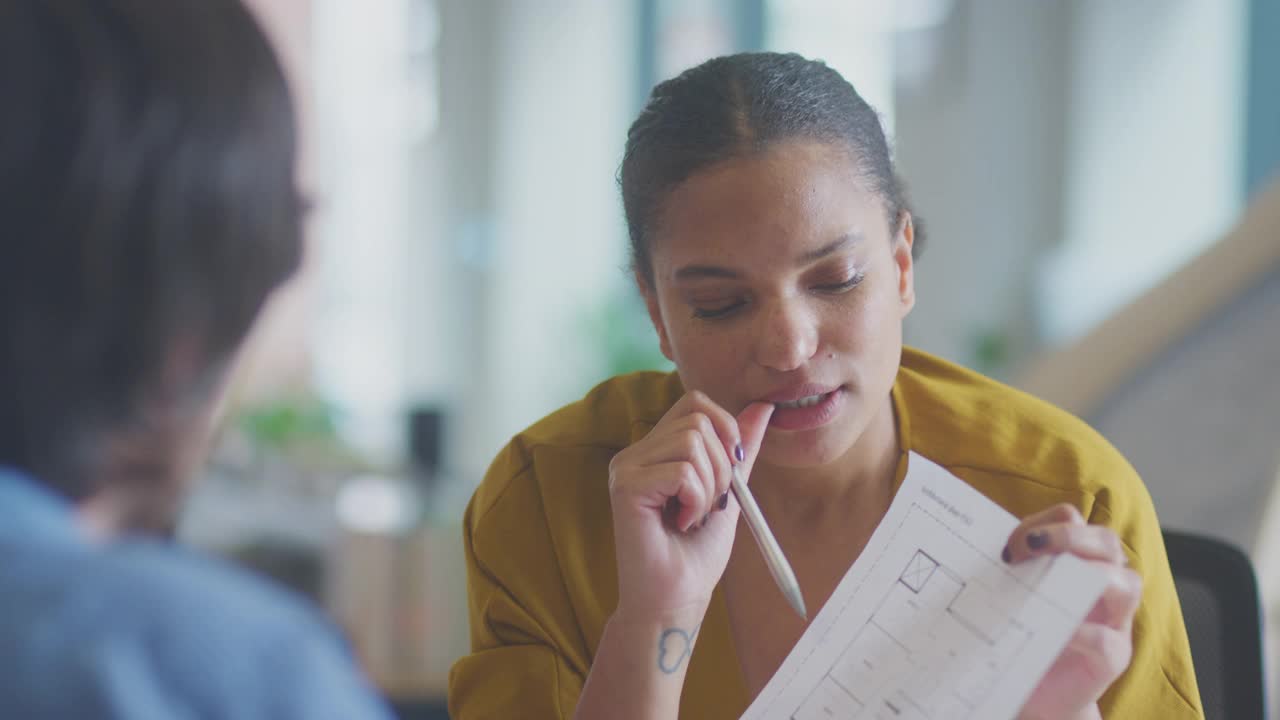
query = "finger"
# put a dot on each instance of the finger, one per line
(719, 466)
(695, 401)
(678, 481)
(690, 493)
(1059, 513)
(683, 442)
(1107, 651)
(1055, 514)
(753, 421)
(684, 447)
(1119, 600)
(727, 431)
(1090, 542)
(690, 444)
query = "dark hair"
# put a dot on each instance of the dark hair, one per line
(147, 203)
(740, 104)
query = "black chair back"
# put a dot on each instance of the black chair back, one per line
(1219, 595)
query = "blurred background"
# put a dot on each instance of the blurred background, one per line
(1093, 175)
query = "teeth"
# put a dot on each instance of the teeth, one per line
(802, 402)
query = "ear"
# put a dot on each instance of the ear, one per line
(655, 314)
(903, 241)
(194, 391)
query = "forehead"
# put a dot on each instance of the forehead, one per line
(791, 197)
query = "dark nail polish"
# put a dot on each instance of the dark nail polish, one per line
(739, 453)
(1006, 555)
(1037, 539)
(723, 502)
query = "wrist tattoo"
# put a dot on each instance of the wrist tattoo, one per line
(674, 647)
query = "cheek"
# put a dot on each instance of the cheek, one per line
(703, 350)
(868, 325)
(713, 360)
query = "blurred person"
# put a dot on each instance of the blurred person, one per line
(774, 247)
(148, 209)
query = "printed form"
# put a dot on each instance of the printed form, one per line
(930, 622)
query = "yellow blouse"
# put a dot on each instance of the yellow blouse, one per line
(542, 579)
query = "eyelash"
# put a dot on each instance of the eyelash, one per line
(849, 284)
(717, 313)
(727, 310)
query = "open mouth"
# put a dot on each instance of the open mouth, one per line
(809, 411)
(809, 401)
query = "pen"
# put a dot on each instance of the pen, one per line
(773, 557)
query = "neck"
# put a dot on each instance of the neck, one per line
(115, 512)
(101, 518)
(139, 485)
(859, 482)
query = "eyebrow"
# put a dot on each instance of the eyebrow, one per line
(690, 272)
(839, 244)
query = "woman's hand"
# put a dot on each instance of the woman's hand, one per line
(674, 517)
(1102, 646)
(673, 525)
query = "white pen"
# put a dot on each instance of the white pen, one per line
(773, 557)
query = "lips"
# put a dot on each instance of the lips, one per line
(802, 402)
(798, 392)
(805, 407)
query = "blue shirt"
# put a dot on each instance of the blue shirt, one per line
(143, 630)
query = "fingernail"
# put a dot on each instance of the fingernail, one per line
(723, 502)
(1006, 555)
(1037, 539)
(739, 453)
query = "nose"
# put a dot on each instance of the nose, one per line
(786, 336)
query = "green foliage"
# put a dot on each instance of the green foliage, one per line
(286, 422)
(301, 431)
(620, 327)
(991, 352)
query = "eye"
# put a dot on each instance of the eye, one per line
(718, 312)
(840, 287)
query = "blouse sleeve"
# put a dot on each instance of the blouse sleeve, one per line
(526, 658)
(1160, 681)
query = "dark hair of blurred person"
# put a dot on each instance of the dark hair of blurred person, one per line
(148, 209)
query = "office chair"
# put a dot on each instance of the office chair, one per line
(1220, 606)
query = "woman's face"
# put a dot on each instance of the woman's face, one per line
(776, 277)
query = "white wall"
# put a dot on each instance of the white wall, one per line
(469, 260)
(536, 224)
(366, 134)
(979, 142)
(381, 337)
(1155, 164)
(855, 37)
(1065, 156)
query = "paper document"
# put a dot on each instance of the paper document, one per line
(930, 622)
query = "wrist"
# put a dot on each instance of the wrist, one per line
(639, 618)
(640, 664)
(660, 642)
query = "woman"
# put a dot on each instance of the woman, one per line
(773, 246)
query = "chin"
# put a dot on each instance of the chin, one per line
(808, 448)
